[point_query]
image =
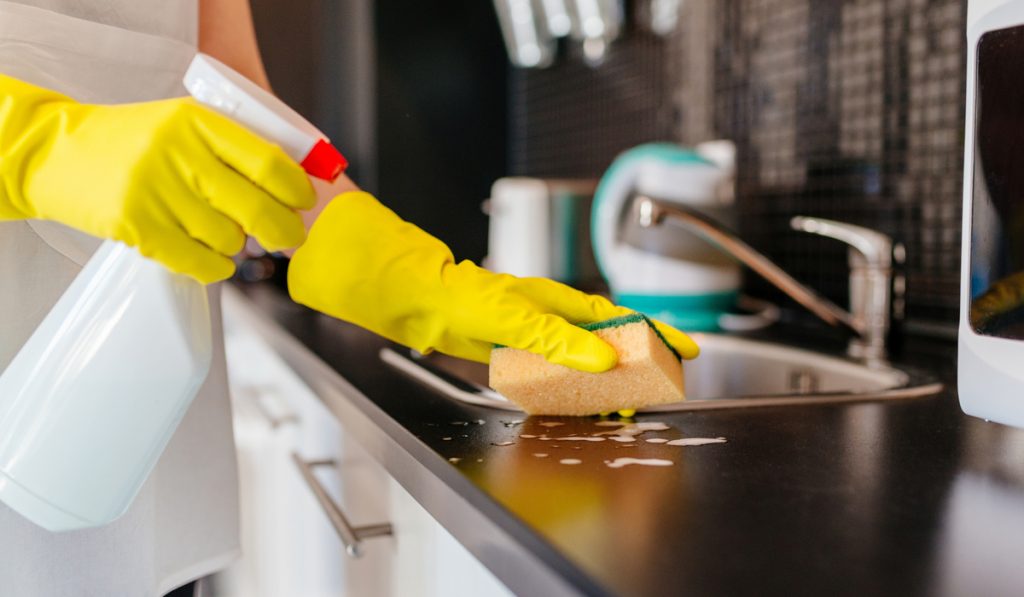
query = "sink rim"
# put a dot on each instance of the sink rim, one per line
(711, 343)
(913, 384)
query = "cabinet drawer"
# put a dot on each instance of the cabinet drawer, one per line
(291, 545)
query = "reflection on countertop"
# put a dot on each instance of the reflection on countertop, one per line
(908, 498)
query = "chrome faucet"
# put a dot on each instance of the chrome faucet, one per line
(871, 256)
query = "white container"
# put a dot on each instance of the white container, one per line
(690, 290)
(541, 228)
(991, 341)
(92, 398)
(518, 242)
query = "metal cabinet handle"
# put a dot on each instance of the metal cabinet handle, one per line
(351, 537)
(254, 394)
(274, 421)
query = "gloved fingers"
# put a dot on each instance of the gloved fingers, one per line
(274, 225)
(263, 163)
(554, 338)
(182, 254)
(580, 307)
(471, 350)
(571, 304)
(204, 223)
(683, 344)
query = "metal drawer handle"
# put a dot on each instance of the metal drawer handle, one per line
(274, 421)
(351, 537)
(255, 395)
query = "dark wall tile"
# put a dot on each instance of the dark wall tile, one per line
(848, 109)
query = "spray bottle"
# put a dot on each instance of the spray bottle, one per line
(91, 400)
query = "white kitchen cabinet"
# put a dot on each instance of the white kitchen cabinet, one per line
(429, 560)
(290, 547)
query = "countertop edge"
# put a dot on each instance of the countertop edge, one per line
(527, 565)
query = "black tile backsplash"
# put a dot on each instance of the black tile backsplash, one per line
(571, 120)
(847, 109)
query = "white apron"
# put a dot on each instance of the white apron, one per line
(184, 523)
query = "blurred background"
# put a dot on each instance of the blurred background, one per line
(847, 109)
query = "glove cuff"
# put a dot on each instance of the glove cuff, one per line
(24, 112)
(363, 264)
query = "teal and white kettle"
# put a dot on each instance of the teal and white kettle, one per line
(671, 274)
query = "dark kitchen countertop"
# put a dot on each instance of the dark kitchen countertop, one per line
(900, 498)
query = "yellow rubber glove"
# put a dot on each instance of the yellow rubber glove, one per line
(364, 264)
(1003, 297)
(179, 182)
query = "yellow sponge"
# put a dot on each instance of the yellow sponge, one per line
(649, 372)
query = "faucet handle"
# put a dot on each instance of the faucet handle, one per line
(876, 290)
(871, 248)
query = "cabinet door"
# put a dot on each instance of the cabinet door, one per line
(429, 560)
(289, 544)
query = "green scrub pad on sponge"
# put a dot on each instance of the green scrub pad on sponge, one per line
(649, 372)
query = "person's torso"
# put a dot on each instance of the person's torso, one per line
(184, 522)
(171, 19)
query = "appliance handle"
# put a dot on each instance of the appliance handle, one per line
(351, 537)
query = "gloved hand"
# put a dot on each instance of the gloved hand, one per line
(1003, 297)
(179, 182)
(364, 264)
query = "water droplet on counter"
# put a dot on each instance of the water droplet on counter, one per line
(528, 436)
(551, 424)
(480, 422)
(465, 435)
(697, 441)
(502, 443)
(623, 439)
(579, 439)
(657, 440)
(461, 423)
(454, 460)
(571, 461)
(447, 439)
(631, 428)
(541, 455)
(621, 462)
(511, 424)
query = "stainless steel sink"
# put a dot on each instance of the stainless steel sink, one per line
(731, 372)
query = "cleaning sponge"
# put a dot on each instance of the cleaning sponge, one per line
(649, 372)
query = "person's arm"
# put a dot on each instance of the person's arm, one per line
(226, 32)
(364, 264)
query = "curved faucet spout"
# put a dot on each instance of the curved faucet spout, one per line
(650, 212)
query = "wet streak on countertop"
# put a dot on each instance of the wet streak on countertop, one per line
(901, 498)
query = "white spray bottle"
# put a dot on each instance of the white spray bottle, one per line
(92, 398)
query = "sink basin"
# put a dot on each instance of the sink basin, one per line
(731, 372)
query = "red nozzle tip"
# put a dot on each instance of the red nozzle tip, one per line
(324, 161)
